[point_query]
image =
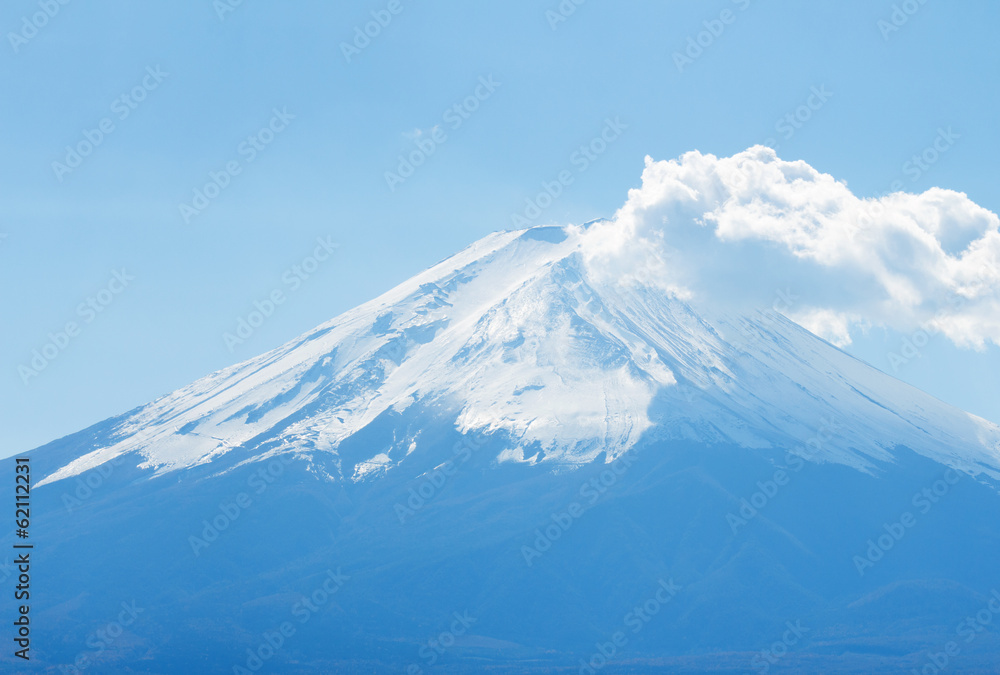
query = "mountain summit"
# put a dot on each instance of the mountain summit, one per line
(516, 336)
(555, 451)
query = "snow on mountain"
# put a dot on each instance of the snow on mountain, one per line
(516, 335)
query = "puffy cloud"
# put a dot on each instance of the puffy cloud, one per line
(731, 231)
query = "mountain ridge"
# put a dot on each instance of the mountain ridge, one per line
(512, 398)
(515, 334)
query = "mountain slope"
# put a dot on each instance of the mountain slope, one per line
(516, 440)
(514, 335)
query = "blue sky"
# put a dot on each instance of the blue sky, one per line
(302, 136)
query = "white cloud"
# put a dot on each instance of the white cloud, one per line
(731, 231)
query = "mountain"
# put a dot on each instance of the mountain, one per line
(513, 336)
(515, 463)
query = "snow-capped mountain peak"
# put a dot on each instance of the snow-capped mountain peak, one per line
(516, 335)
